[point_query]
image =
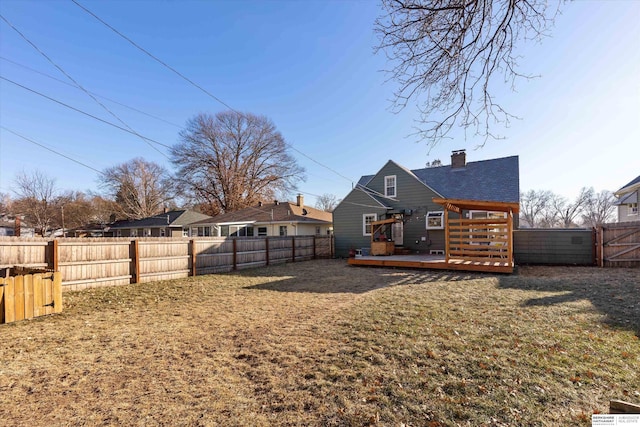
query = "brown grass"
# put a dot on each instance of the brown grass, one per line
(323, 344)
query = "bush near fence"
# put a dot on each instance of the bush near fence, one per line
(118, 261)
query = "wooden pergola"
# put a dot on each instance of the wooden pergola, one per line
(486, 242)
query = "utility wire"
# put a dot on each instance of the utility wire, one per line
(25, 38)
(52, 150)
(195, 84)
(99, 96)
(82, 112)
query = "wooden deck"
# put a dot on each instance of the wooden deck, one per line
(433, 262)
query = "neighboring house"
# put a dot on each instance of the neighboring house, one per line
(168, 224)
(9, 225)
(268, 219)
(628, 199)
(407, 195)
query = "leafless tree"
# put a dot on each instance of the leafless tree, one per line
(599, 208)
(533, 205)
(36, 194)
(434, 164)
(448, 56)
(232, 160)
(327, 202)
(567, 212)
(140, 188)
(5, 203)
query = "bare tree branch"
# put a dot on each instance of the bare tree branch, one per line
(231, 160)
(450, 55)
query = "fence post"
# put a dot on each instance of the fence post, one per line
(266, 246)
(599, 246)
(314, 247)
(194, 256)
(235, 254)
(293, 249)
(54, 260)
(134, 253)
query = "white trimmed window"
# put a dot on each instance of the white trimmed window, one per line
(367, 219)
(147, 232)
(163, 232)
(283, 230)
(632, 209)
(390, 186)
(262, 231)
(185, 232)
(435, 220)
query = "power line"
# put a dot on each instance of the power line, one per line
(51, 149)
(98, 95)
(83, 112)
(25, 38)
(195, 84)
(153, 56)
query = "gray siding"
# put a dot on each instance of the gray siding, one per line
(412, 196)
(554, 246)
(347, 221)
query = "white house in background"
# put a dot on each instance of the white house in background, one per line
(628, 198)
(267, 219)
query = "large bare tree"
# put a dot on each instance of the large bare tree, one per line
(140, 188)
(533, 207)
(232, 160)
(567, 212)
(36, 199)
(449, 56)
(327, 202)
(599, 208)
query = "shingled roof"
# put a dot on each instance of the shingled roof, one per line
(272, 212)
(634, 183)
(177, 218)
(491, 180)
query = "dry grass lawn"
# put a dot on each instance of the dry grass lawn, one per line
(323, 344)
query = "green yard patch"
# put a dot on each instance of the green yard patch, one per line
(320, 343)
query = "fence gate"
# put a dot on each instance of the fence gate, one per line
(620, 244)
(25, 294)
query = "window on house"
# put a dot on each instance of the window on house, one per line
(134, 232)
(435, 220)
(283, 230)
(367, 219)
(163, 232)
(147, 232)
(390, 186)
(317, 230)
(633, 208)
(224, 230)
(185, 232)
(262, 231)
(119, 233)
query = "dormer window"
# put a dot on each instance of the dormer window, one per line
(390, 186)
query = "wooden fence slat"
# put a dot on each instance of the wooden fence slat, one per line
(38, 294)
(9, 301)
(28, 296)
(2, 286)
(56, 280)
(18, 299)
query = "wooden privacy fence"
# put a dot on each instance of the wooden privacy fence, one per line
(25, 294)
(619, 244)
(116, 261)
(480, 239)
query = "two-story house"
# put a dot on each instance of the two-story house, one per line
(628, 199)
(408, 196)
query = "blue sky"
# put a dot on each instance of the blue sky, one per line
(310, 67)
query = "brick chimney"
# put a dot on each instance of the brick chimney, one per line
(458, 159)
(300, 200)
